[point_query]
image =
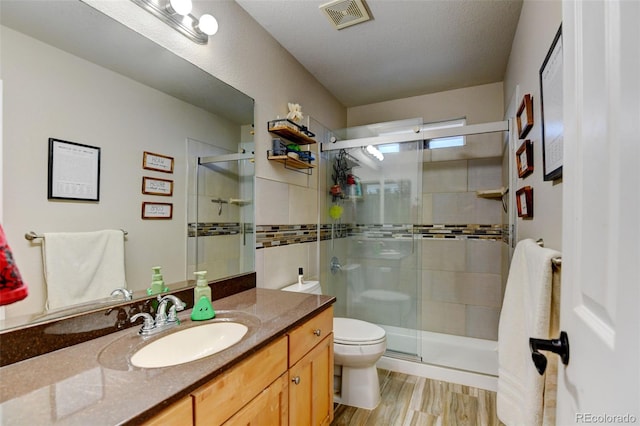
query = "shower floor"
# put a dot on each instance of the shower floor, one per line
(446, 357)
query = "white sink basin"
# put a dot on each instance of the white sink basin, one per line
(189, 344)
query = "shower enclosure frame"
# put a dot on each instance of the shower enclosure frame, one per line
(418, 134)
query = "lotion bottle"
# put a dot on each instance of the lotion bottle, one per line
(202, 288)
(157, 282)
(300, 277)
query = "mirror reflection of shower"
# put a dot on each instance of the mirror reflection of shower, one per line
(220, 210)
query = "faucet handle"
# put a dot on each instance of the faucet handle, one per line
(149, 323)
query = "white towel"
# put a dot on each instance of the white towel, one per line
(82, 266)
(526, 312)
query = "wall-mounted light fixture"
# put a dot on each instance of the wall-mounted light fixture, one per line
(177, 14)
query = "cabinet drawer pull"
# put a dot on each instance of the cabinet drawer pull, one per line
(317, 332)
(296, 380)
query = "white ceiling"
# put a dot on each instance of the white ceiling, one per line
(410, 48)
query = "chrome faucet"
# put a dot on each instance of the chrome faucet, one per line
(124, 292)
(162, 321)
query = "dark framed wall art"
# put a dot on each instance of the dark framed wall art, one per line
(74, 171)
(551, 110)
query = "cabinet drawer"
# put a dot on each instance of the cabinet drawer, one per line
(180, 413)
(309, 334)
(218, 400)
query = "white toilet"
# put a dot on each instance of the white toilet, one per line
(357, 346)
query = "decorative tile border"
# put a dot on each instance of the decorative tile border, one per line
(281, 235)
(468, 231)
(209, 229)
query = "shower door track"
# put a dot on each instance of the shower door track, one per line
(471, 129)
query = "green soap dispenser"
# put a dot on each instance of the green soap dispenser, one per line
(202, 310)
(157, 282)
(202, 287)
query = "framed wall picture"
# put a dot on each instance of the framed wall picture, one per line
(524, 159)
(74, 171)
(524, 116)
(157, 162)
(524, 201)
(157, 186)
(551, 110)
(157, 210)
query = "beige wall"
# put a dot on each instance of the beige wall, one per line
(50, 93)
(245, 56)
(539, 22)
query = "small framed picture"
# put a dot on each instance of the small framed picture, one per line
(74, 171)
(524, 159)
(157, 210)
(524, 117)
(157, 186)
(524, 201)
(157, 162)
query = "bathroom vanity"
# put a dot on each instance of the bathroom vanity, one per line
(281, 372)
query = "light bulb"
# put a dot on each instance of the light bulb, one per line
(208, 24)
(181, 7)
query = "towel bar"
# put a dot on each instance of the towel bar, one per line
(556, 261)
(32, 235)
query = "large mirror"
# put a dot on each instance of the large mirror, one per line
(71, 73)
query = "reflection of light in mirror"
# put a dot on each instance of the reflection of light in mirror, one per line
(181, 7)
(375, 152)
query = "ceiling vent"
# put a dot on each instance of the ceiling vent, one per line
(344, 13)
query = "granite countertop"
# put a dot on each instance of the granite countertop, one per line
(93, 383)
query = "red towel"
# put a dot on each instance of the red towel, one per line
(12, 288)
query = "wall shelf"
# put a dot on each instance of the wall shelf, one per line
(291, 131)
(297, 134)
(495, 194)
(292, 163)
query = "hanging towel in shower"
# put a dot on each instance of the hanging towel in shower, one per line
(82, 266)
(526, 312)
(12, 288)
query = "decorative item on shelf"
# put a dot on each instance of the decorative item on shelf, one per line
(524, 117)
(524, 159)
(524, 201)
(295, 112)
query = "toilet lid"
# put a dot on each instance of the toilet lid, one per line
(349, 330)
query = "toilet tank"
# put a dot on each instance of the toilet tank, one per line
(311, 287)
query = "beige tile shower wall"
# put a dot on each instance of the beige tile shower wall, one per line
(461, 286)
(449, 191)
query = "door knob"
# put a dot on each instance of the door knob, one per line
(558, 346)
(296, 380)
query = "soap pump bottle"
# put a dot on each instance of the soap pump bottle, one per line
(202, 288)
(300, 277)
(157, 282)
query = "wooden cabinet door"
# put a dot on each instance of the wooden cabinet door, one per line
(178, 414)
(218, 400)
(269, 408)
(311, 386)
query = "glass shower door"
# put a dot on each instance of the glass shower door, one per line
(373, 199)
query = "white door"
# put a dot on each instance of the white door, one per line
(601, 213)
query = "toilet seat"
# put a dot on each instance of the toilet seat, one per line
(349, 331)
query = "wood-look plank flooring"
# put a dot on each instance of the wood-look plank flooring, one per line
(416, 401)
